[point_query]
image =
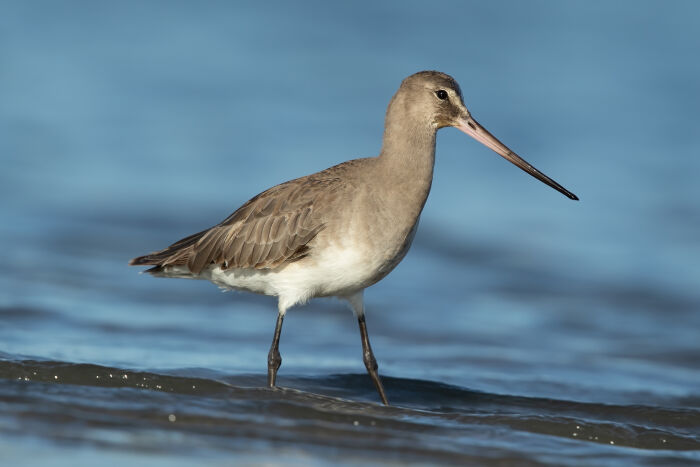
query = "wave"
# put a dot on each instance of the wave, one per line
(428, 421)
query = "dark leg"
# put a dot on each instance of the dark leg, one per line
(370, 361)
(274, 359)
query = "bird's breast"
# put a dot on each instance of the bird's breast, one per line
(361, 253)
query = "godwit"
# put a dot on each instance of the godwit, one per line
(336, 232)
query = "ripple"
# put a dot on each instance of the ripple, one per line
(430, 421)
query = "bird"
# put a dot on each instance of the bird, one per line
(336, 232)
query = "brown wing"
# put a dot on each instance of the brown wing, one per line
(272, 228)
(267, 231)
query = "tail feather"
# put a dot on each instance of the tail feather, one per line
(175, 254)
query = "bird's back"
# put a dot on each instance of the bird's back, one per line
(270, 230)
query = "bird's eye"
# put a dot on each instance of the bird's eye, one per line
(442, 94)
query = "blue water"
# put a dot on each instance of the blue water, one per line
(522, 328)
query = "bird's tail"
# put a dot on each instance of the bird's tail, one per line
(175, 255)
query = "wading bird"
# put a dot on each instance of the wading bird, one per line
(336, 232)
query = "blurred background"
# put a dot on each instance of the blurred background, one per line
(128, 125)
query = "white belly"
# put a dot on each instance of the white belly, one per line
(334, 272)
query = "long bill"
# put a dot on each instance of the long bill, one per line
(472, 128)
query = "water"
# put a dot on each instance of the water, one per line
(522, 328)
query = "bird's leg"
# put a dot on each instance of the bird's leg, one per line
(368, 358)
(274, 359)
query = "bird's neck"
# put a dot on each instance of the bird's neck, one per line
(406, 161)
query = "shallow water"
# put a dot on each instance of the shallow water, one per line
(522, 328)
(204, 413)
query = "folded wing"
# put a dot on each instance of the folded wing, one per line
(271, 229)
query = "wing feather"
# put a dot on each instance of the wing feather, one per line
(275, 227)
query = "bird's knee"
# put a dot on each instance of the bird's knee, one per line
(370, 361)
(274, 359)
